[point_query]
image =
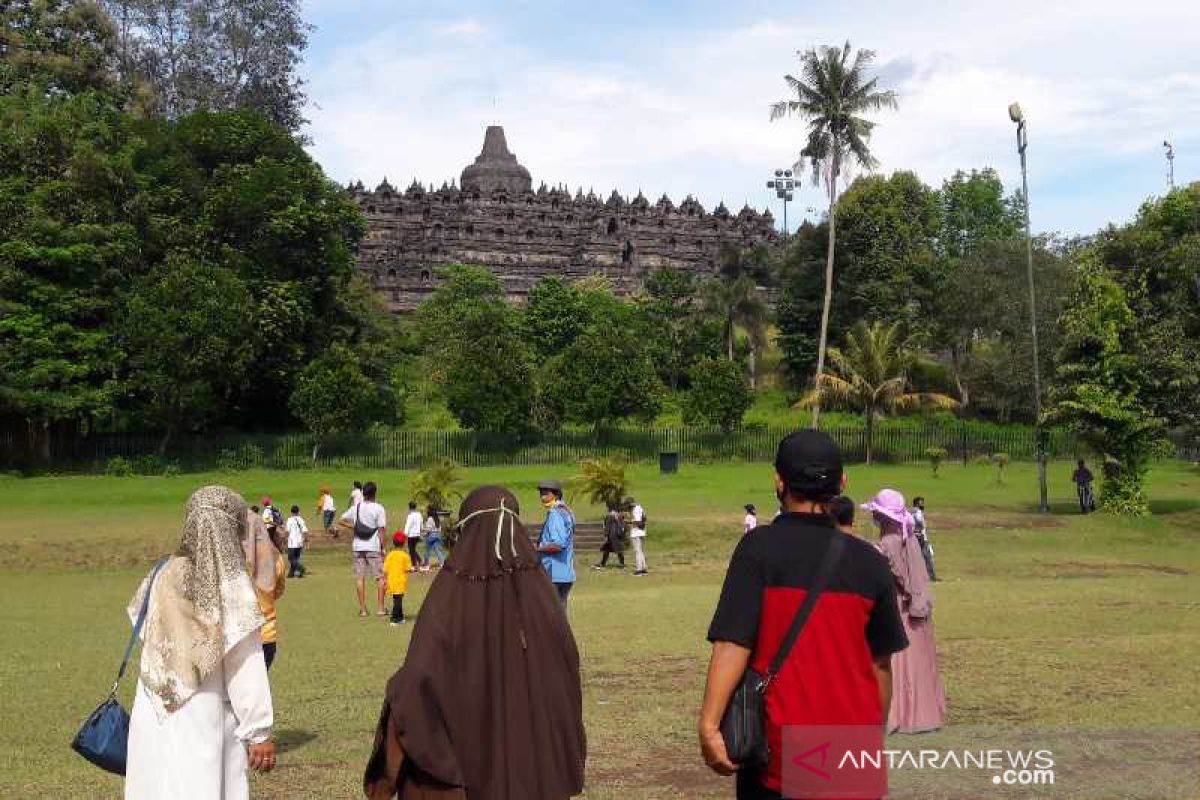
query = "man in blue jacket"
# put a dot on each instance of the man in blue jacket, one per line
(557, 542)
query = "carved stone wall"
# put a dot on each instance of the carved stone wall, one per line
(495, 220)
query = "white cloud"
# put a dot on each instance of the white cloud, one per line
(1102, 85)
(467, 28)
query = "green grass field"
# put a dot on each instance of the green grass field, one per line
(1041, 621)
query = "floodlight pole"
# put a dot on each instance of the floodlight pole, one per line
(1170, 165)
(1039, 443)
(783, 184)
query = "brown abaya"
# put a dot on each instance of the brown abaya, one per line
(488, 704)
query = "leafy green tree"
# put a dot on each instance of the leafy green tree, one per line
(215, 55)
(681, 330)
(720, 394)
(1156, 258)
(984, 322)
(332, 395)
(888, 264)
(870, 375)
(798, 309)
(1100, 385)
(606, 375)
(186, 327)
(473, 341)
(832, 94)
(64, 46)
(555, 313)
(68, 220)
(242, 194)
(975, 211)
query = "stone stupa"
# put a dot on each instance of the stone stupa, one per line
(495, 168)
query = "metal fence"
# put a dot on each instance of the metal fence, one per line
(897, 442)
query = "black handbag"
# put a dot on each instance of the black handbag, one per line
(104, 737)
(744, 724)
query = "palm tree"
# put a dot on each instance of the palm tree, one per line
(870, 375)
(831, 94)
(736, 303)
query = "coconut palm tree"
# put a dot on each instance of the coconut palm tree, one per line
(870, 375)
(735, 301)
(832, 93)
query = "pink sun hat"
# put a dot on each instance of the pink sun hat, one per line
(890, 503)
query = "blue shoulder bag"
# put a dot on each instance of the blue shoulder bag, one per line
(104, 737)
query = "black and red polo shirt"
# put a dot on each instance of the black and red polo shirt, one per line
(828, 678)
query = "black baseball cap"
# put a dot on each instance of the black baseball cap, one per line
(810, 463)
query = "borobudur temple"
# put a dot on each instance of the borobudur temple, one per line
(495, 219)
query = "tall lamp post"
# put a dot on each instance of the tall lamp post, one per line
(1170, 165)
(783, 184)
(1016, 115)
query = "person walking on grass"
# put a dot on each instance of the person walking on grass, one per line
(435, 548)
(839, 670)
(412, 534)
(396, 567)
(557, 541)
(327, 510)
(368, 520)
(750, 521)
(918, 701)
(614, 537)
(297, 538)
(202, 712)
(1082, 477)
(272, 517)
(922, 534)
(356, 494)
(637, 534)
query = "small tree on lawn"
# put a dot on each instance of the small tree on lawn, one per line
(720, 394)
(935, 456)
(1100, 383)
(437, 484)
(332, 396)
(601, 480)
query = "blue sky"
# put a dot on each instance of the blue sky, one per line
(672, 96)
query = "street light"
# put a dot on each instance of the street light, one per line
(783, 184)
(1017, 116)
(1170, 165)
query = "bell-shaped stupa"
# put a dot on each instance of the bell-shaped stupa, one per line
(496, 169)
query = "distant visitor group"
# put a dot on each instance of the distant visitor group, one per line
(487, 704)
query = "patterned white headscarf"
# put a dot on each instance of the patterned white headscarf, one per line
(203, 603)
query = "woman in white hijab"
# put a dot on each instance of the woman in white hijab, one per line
(202, 712)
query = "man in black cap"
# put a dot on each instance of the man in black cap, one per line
(557, 542)
(848, 640)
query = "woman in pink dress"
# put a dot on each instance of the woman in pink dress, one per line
(918, 701)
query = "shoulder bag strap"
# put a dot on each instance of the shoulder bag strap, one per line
(832, 555)
(137, 626)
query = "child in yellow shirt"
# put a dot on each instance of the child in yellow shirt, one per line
(396, 567)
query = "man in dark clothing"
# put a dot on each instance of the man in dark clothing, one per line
(848, 641)
(1083, 487)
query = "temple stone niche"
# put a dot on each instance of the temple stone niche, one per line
(495, 219)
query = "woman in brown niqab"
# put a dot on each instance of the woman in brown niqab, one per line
(488, 704)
